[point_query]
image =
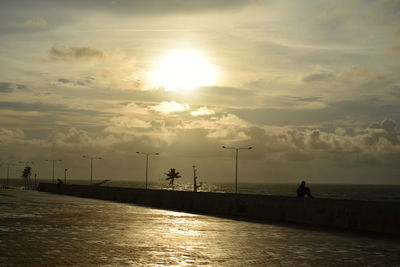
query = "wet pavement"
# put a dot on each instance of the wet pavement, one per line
(42, 229)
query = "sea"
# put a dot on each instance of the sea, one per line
(388, 193)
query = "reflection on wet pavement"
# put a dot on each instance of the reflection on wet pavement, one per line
(40, 229)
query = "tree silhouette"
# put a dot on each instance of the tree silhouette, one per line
(26, 175)
(172, 174)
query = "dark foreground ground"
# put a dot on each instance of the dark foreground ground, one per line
(41, 229)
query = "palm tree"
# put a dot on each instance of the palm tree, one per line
(26, 175)
(172, 174)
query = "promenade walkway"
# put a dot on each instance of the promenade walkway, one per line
(41, 229)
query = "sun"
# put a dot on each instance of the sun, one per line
(182, 70)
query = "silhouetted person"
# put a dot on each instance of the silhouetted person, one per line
(303, 190)
(59, 181)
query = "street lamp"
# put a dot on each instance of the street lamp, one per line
(91, 166)
(147, 161)
(53, 160)
(1, 164)
(237, 155)
(8, 172)
(65, 175)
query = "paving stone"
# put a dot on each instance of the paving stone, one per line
(41, 229)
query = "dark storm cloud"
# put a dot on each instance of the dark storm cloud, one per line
(11, 87)
(82, 53)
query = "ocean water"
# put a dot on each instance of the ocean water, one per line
(389, 193)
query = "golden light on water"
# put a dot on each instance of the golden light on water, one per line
(182, 70)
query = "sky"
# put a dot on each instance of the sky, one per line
(312, 86)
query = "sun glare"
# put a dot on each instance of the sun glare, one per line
(183, 70)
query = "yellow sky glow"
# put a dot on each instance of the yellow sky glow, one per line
(183, 70)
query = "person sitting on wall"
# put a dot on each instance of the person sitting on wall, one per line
(59, 181)
(303, 190)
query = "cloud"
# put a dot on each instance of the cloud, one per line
(285, 102)
(319, 77)
(136, 6)
(229, 129)
(377, 144)
(35, 23)
(170, 107)
(46, 107)
(357, 71)
(202, 111)
(227, 96)
(14, 141)
(363, 12)
(224, 127)
(215, 123)
(82, 53)
(360, 111)
(78, 140)
(127, 125)
(280, 149)
(385, 129)
(62, 80)
(81, 82)
(135, 108)
(353, 147)
(11, 87)
(10, 135)
(396, 48)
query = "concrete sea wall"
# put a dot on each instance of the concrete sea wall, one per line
(365, 216)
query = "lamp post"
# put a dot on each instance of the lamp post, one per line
(53, 160)
(1, 164)
(237, 156)
(65, 175)
(147, 161)
(91, 166)
(8, 172)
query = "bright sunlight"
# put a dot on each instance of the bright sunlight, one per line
(183, 70)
